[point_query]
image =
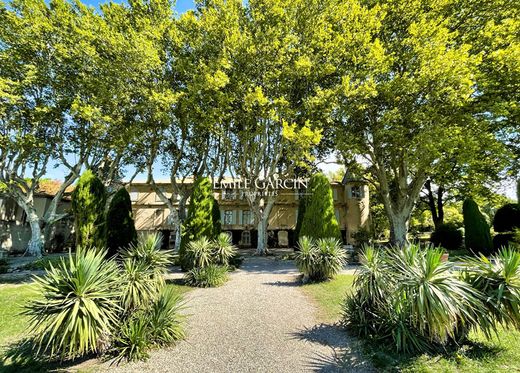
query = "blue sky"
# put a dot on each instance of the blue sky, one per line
(181, 5)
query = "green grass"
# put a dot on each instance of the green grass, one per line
(329, 295)
(502, 354)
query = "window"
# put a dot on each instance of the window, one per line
(247, 217)
(356, 191)
(134, 196)
(336, 213)
(228, 217)
(245, 239)
(228, 194)
(335, 194)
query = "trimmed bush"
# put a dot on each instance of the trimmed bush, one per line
(507, 218)
(80, 304)
(88, 207)
(215, 214)
(121, 231)
(199, 222)
(447, 236)
(477, 234)
(319, 220)
(209, 276)
(321, 259)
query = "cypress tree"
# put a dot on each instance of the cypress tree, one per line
(88, 207)
(215, 215)
(319, 220)
(477, 234)
(302, 206)
(121, 231)
(199, 222)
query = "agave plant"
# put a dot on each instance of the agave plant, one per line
(132, 342)
(499, 279)
(199, 253)
(80, 304)
(306, 256)
(211, 275)
(223, 249)
(165, 320)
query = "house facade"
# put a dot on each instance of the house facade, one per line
(351, 205)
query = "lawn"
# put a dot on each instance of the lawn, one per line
(499, 355)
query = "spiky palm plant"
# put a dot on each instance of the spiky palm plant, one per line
(165, 319)
(331, 258)
(139, 286)
(306, 256)
(80, 304)
(199, 253)
(211, 275)
(132, 341)
(223, 249)
(499, 279)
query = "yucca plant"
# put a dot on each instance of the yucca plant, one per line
(80, 304)
(139, 284)
(319, 260)
(223, 249)
(211, 275)
(199, 253)
(164, 317)
(498, 278)
(132, 342)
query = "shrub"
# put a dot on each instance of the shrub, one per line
(198, 254)
(4, 265)
(209, 276)
(411, 298)
(302, 206)
(477, 234)
(121, 231)
(199, 222)
(88, 207)
(321, 259)
(139, 286)
(133, 339)
(80, 304)
(447, 236)
(507, 218)
(503, 240)
(499, 280)
(319, 220)
(215, 214)
(165, 320)
(223, 249)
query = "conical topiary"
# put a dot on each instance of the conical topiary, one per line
(477, 234)
(215, 215)
(121, 231)
(88, 206)
(302, 206)
(319, 220)
(199, 222)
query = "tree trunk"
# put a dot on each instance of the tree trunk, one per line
(399, 229)
(261, 247)
(35, 245)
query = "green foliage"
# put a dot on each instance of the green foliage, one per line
(302, 206)
(477, 234)
(165, 320)
(498, 278)
(412, 299)
(223, 249)
(133, 339)
(507, 218)
(121, 231)
(80, 304)
(319, 220)
(215, 214)
(139, 285)
(88, 207)
(4, 265)
(199, 222)
(210, 276)
(42, 263)
(198, 254)
(447, 236)
(320, 259)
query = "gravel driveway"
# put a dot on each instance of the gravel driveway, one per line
(259, 321)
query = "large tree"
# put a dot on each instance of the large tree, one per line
(406, 115)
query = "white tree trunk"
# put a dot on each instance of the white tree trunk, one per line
(35, 245)
(261, 247)
(399, 228)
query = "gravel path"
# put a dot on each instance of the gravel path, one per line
(259, 321)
